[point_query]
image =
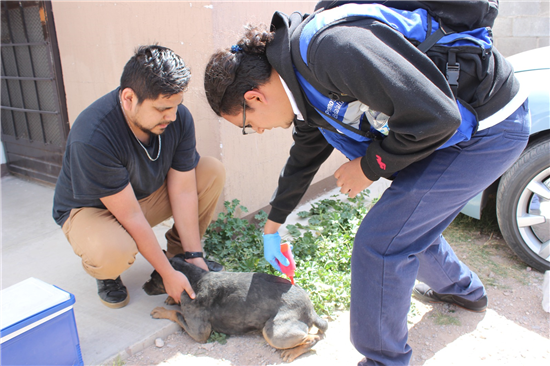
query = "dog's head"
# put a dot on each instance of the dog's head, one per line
(155, 286)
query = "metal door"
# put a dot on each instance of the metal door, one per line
(33, 107)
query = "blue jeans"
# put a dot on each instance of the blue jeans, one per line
(400, 238)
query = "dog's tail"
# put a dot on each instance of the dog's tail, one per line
(321, 324)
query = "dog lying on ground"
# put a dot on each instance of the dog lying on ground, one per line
(237, 303)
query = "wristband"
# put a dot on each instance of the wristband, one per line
(190, 255)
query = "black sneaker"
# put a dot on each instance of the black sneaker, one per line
(424, 292)
(213, 266)
(113, 293)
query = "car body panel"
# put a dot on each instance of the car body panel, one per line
(532, 69)
(539, 100)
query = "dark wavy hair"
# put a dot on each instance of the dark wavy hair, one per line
(153, 71)
(233, 71)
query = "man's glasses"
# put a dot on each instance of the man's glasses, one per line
(247, 129)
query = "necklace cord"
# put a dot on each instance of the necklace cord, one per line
(133, 133)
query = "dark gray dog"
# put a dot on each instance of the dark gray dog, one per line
(237, 303)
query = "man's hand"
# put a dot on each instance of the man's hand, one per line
(175, 283)
(350, 178)
(199, 262)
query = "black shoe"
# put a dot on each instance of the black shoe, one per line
(113, 293)
(213, 266)
(424, 292)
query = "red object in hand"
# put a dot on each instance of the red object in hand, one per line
(288, 270)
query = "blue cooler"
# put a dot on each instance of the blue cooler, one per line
(38, 325)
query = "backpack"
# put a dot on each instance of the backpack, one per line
(457, 15)
(441, 43)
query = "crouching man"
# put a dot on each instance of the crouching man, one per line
(130, 163)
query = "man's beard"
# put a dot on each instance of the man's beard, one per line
(149, 131)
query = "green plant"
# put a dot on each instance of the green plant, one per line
(236, 243)
(413, 311)
(221, 338)
(445, 319)
(118, 361)
(322, 248)
(488, 224)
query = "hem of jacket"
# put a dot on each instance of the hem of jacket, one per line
(505, 111)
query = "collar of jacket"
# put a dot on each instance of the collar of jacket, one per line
(279, 55)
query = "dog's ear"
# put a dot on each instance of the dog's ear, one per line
(154, 286)
(170, 301)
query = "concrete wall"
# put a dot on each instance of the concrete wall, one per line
(97, 38)
(522, 25)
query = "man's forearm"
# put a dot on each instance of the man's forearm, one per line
(186, 218)
(184, 200)
(148, 245)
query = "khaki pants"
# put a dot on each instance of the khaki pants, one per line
(105, 246)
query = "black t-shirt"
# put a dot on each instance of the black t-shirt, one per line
(102, 156)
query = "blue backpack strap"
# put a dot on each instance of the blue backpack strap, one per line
(334, 112)
(414, 25)
(351, 149)
(468, 127)
(434, 37)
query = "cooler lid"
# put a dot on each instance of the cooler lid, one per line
(28, 298)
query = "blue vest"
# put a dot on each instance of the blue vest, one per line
(350, 118)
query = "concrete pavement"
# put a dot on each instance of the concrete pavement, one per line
(33, 245)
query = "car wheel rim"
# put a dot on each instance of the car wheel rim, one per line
(533, 214)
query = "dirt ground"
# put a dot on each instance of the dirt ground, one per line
(514, 330)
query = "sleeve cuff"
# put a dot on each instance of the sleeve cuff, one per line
(369, 173)
(277, 216)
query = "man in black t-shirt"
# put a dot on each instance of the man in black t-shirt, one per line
(130, 163)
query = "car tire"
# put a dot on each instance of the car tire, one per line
(523, 205)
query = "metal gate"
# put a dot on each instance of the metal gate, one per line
(33, 109)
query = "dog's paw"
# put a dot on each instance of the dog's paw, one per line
(159, 313)
(289, 355)
(170, 301)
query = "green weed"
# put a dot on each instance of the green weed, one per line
(413, 312)
(321, 248)
(118, 362)
(444, 319)
(221, 338)
(488, 224)
(236, 243)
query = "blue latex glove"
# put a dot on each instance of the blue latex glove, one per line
(272, 251)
